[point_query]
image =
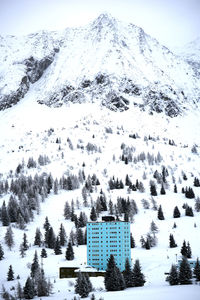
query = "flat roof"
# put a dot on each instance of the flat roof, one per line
(114, 221)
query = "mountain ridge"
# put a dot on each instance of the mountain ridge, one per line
(108, 61)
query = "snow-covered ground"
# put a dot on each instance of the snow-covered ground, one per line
(27, 124)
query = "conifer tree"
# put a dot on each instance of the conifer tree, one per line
(132, 241)
(80, 236)
(81, 286)
(189, 193)
(67, 211)
(35, 268)
(25, 242)
(162, 191)
(46, 224)
(4, 215)
(151, 239)
(85, 237)
(111, 209)
(12, 209)
(142, 241)
(126, 217)
(62, 235)
(10, 275)
(160, 213)
(128, 275)
(197, 270)
(69, 255)
(197, 204)
(42, 285)
(147, 244)
(72, 237)
(184, 249)
(138, 276)
(153, 190)
(175, 188)
(89, 284)
(173, 276)
(22, 250)
(172, 243)
(113, 278)
(189, 251)
(189, 211)
(57, 247)
(93, 215)
(55, 187)
(38, 237)
(82, 220)
(29, 291)
(20, 293)
(176, 213)
(51, 239)
(9, 240)
(153, 228)
(185, 273)
(21, 221)
(1, 252)
(43, 253)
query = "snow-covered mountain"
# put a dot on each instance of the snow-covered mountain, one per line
(191, 53)
(108, 61)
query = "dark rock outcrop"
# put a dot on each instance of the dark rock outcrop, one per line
(35, 68)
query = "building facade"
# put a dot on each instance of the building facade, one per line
(106, 238)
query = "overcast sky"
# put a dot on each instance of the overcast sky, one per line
(172, 22)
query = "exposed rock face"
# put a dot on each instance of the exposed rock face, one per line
(12, 99)
(35, 68)
(34, 71)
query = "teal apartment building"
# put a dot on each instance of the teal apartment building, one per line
(105, 238)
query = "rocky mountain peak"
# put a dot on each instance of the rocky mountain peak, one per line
(110, 62)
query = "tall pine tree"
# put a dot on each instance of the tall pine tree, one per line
(83, 286)
(1, 252)
(113, 278)
(185, 273)
(4, 215)
(57, 247)
(35, 268)
(69, 255)
(128, 274)
(173, 276)
(172, 243)
(29, 291)
(132, 241)
(93, 215)
(197, 270)
(138, 276)
(160, 213)
(38, 238)
(10, 275)
(62, 235)
(184, 249)
(9, 240)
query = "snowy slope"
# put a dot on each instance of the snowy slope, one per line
(31, 136)
(191, 53)
(107, 61)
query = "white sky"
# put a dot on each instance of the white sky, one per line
(172, 22)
